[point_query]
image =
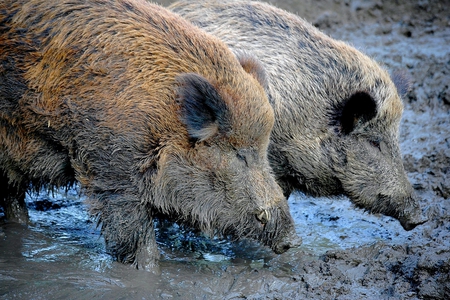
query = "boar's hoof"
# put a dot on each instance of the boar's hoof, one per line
(147, 259)
(290, 242)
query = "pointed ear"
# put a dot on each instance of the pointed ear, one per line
(202, 109)
(402, 81)
(356, 110)
(252, 66)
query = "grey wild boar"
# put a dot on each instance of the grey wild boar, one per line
(149, 114)
(337, 112)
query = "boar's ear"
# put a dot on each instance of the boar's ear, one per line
(402, 82)
(203, 111)
(356, 110)
(253, 67)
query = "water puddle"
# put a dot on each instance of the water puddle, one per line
(62, 251)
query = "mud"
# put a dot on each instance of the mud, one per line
(346, 253)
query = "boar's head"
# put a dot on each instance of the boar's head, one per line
(369, 164)
(348, 139)
(219, 180)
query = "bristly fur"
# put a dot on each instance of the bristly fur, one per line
(337, 112)
(146, 112)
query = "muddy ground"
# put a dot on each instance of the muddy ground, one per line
(346, 254)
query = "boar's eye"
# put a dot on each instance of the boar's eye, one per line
(375, 144)
(242, 157)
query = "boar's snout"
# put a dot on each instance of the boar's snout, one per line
(278, 229)
(405, 209)
(411, 224)
(410, 219)
(290, 241)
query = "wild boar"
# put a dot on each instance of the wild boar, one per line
(148, 113)
(337, 112)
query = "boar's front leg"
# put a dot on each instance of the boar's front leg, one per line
(12, 200)
(127, 226)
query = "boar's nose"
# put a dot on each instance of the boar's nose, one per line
(263, 216)
(405, 209)
(412, 216)
(292, 241)
(411, 223)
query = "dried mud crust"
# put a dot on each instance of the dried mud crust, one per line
(410, 36)
(413, 36)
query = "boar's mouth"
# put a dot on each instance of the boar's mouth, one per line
(277, 230)
(408, 213)
(273, 228)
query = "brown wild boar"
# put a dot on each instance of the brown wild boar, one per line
(337, 112)
(147, 112)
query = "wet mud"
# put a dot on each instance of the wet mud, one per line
(346, 252)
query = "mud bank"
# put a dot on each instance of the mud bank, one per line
(346, 254)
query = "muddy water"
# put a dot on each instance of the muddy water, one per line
(62, 254)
